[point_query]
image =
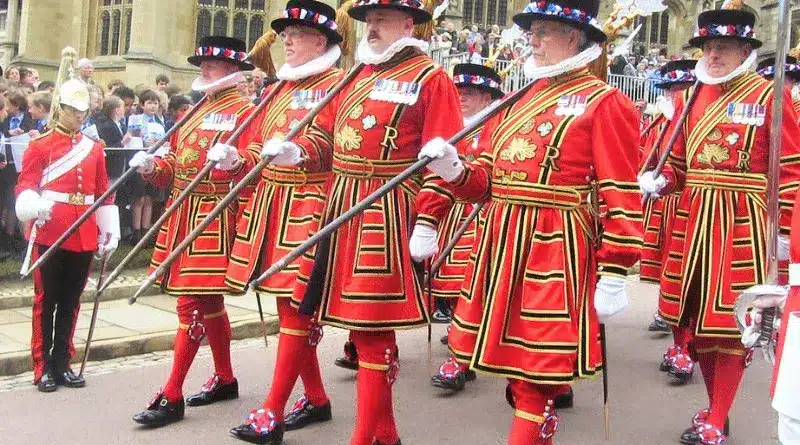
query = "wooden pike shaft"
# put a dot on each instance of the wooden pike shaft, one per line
(99, 202)
(95, 309)
(678, 128)
(199, 178)
(384, 189)
(234, 193)
(440, 259)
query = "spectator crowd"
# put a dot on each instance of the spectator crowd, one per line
(123, 118)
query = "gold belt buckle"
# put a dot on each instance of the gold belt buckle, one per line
(77, 199)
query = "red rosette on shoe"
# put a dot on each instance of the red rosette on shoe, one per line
(710, 435)
(315, 334)
(261, 421)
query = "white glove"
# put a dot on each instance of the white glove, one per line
(163, 150)
(610, 297)
(30, 206)
(284, 153)
(226, 156)
(772, 296)
(445, 159)
(108, 226)
(783, 248)
(143, 162)
(651, 186)
(424, 243)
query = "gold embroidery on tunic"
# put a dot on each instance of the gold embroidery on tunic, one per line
(203, 143)
(527, 127)
(519, 150)
(188, 156)
(280, 121)
(510, 176)
(192, 138)
(713, 154)
(348, 138)
(356, 112)
(715, 135)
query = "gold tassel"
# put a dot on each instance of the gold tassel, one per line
(347, 29)
(66, 71)
(261, 56)
(424, 31)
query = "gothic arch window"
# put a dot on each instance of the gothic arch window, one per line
(655, 30)
(114, 23)
(243, 19)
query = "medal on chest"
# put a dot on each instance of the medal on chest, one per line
(746, 114)
(219, 122)
(306, 99)
(571, 105)
(395, 91)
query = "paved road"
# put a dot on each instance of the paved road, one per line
(645, 409)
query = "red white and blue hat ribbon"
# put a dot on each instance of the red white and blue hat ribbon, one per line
(216, 51)
(473, 80)
(310, 16)
(678, 76)
(721, 30)
(770, 70)
(556, 10)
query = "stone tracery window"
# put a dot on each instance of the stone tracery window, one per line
(114, 27)
(243, 19)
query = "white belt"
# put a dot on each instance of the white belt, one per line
(77, 199)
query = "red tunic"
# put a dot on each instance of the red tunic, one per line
(286, 204)
(793, 302)
(87, 178)
(659, 214)
(370, 282)
(536, 261)
(200, 269)
(719, 239)
(447, 282)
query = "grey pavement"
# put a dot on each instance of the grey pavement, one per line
(645, 408)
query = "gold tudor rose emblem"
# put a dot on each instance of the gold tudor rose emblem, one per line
(713, 154)
(519, 150)
(356, 112)
(527, 127)
(348, 138)
(188, 156)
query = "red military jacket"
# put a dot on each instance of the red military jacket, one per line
(201, 268)
(720, 161)
(76, 166)
(376, 127)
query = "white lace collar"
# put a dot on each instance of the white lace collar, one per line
(701, 72)
(310, 68)
(364, 53)
(218, 85)
(579, 60)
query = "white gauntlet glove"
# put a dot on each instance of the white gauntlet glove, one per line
(30, 206)
(225, 156)
(143, 162)
(445, 159)
(108, 228)
(284, 153)
(424, 243)
(651, 186)
(610, 297)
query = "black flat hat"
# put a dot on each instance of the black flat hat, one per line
(310, 13)
(414, 8)
(223, 48)
(677, 72)
(766, 68)
(478, 76)
(581, 14)
(725, 23)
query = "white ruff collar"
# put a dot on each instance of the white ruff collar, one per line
(701, 72)
(211, 88)
(310, 68)
(579, 60)
(365, 55)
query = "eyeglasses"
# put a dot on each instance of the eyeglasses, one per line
(293, 34)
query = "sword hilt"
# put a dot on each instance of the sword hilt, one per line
(767, 325)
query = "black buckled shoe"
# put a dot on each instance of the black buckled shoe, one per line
(261, 428)
(160, 412)
(564, 401)
(691, 437)
(440, 316)
(658, 324)
(452, 377)
(213, 391)
(69, 379)
(303, 413)
(350, 359)
(444, 340)
(47, 383)
(378, 443)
